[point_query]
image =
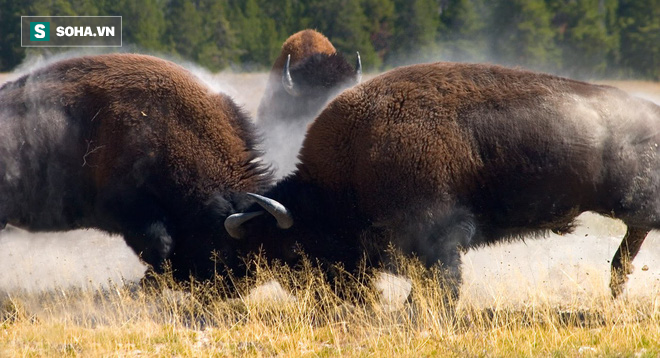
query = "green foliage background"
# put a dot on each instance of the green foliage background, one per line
(578, 38)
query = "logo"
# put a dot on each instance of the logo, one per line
(39, 31)
(70, 31)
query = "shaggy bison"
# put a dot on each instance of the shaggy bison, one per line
(305, 76)
(438, 157)
(128, 144)
(307, 73)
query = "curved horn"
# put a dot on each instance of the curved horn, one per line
(358, 68)
(233, 223)
(279, 211)
(287, 81)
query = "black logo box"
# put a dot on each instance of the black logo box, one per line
(76, 22)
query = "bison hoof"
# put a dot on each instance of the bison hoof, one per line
(616, 289)
(618, 282)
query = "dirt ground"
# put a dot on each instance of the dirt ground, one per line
(563, 267)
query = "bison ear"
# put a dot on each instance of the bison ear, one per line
(234, 222)
(273, 207)
(287, 81)
(358, 69)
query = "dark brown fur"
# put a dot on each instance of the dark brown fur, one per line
(129, 144)
(435, 157)
(316, 68)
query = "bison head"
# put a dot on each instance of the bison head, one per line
(304, 86)
(319, 74)
(305, 219)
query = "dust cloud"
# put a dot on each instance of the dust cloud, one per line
(80, 258)
(561, 267)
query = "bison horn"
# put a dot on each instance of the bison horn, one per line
(287, 81)
(358, 69)
(279, 211)
(234, 222)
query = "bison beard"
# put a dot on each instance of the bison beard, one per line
(128, 144)
(438, 157)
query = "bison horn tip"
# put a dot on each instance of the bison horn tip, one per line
(234, 222)
(273, 207)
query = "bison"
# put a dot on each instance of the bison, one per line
(129, 144)
(435, 158)
(305, 76)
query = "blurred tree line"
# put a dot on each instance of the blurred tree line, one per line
(579, 38)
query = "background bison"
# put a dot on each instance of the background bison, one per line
(129, 144)
(438, 157)
(306, 75)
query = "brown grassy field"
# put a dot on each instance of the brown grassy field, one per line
(313, 321)
(63, 294)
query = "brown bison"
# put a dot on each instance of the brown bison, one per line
(128, 144)
(307, 73)
(440, 157)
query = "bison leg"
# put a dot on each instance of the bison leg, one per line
(622, 261)
(450, 235)
(3, 217)
(449, 258)
(152, 243)
(439, 242)
(142, 222)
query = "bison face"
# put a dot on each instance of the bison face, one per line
(310, 83)
(308, 224)
(319, 74)
(266, 225)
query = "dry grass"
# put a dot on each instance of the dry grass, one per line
(314, 321)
